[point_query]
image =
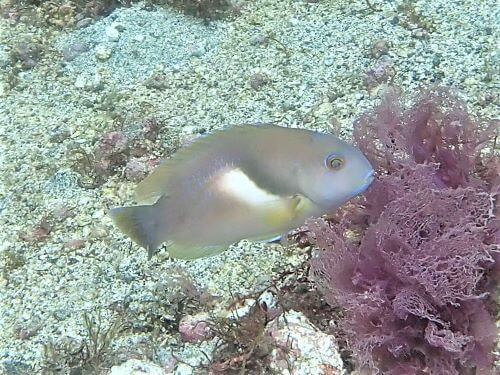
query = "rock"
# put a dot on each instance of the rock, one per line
(150, 129)
(72, 51)
(102, 53)
(136, 169)
(259, 39)
(308, 350)
(198, 50)
(323, 111)
(83, 23)
(194, 328)
(189, 129)
(328, 61)
(112, 33)
(257, 80)
(74, 244)
(379, 47)
(136, 367)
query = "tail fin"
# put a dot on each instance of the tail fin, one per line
(141, 224)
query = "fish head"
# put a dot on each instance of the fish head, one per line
(333, 171)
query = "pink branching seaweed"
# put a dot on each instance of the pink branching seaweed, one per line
(414, 262)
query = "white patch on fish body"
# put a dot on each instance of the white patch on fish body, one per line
(236, 184)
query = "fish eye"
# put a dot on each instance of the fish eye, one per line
(334, 162)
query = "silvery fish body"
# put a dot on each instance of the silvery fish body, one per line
(251, 182)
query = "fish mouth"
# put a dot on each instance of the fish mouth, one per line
(369, 177)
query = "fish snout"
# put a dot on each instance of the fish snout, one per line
(367, 180)
(370, 176)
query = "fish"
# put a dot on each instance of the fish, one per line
(243, 182)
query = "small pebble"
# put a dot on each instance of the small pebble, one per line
(74, 244)
(136, 169)
(74, 50)
(258, 80)
(112, 33)
(83, 23)
(380, 47)
(195, 328)
(259, 39)
(189, 129)
(150, 129)
(99, 231)
(80, 82)
(138, 38)
(198, 51)
(102, 52)
(328, 61)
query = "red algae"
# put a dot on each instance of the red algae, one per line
(413, 263)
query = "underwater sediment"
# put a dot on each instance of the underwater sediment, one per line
(93, 97)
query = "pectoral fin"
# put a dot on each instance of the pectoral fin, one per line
(286, 210)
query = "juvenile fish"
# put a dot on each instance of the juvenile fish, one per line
(253, 182)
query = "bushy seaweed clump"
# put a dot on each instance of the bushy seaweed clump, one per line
(413, 262)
